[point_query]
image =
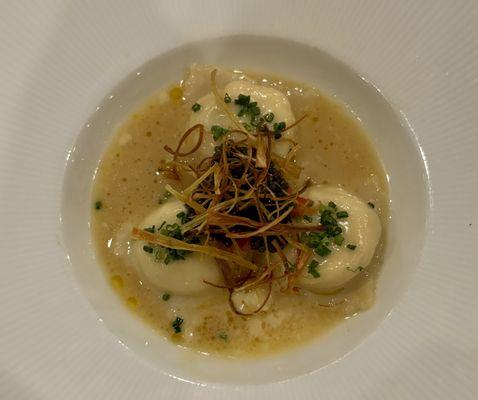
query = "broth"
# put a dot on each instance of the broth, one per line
(334, 151)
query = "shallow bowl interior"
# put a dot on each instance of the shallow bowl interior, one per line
(389, 132)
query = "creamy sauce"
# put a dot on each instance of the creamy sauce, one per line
(334, 151)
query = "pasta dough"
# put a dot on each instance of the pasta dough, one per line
(181, 276)
(268, 99)
(362, 228)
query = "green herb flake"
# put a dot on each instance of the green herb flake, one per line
(247, 127)
(327, 219)
(269, 117)
(351, 246)
(218, 132)
(332, 205)
(223, 336)
(371, 205)
(359, 269)
(150, 229)
(242, 100)
(167, 255)
(279, 126)
(342, 214)
(148, 249)
(166, 296)
(196, 107)
(308, 218)
(183, 217)
(322, 250)
(98, 205)
(312, 269)
(339, 239)
(177, 324)
(227, 98)
(257, 122)
(247, 108)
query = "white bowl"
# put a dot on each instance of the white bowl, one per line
(65, 335)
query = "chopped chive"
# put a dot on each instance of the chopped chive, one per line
(166, 296)
(257, 122)
(227, 98)
(177, 324)
(308, 218)
(98, 205)
(312, 269)
(332, 205)
(351, 246)
(150, 229)
(218, 132)
(342, 214)
(248, 127)
(279, 126)
(223, 336)
(322, 250)
(269, 117)
(148, 249)
(196, 107)
(243, 100)
(183, 217)
(339, 239)
(359, 268)
(371, 205)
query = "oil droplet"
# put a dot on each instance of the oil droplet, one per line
(176, 93)
(177, 338)
(132, 302)
(117, 282)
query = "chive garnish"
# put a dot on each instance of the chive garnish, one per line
(177, 324)
(308, 218)
(151, 229)
(322, 250)
(166, 296)
(218, 132)
(359, 268)
(351, 246)
(196, 107)
(339, 239)
(98, 205)
(148, 249)
(312, 269)
(342, 214)
(248, 127)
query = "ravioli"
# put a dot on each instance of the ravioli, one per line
(238, 291)
(181, 276)
(361, 231)
(268, 99)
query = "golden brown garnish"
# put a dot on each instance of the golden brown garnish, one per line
(241, 206)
